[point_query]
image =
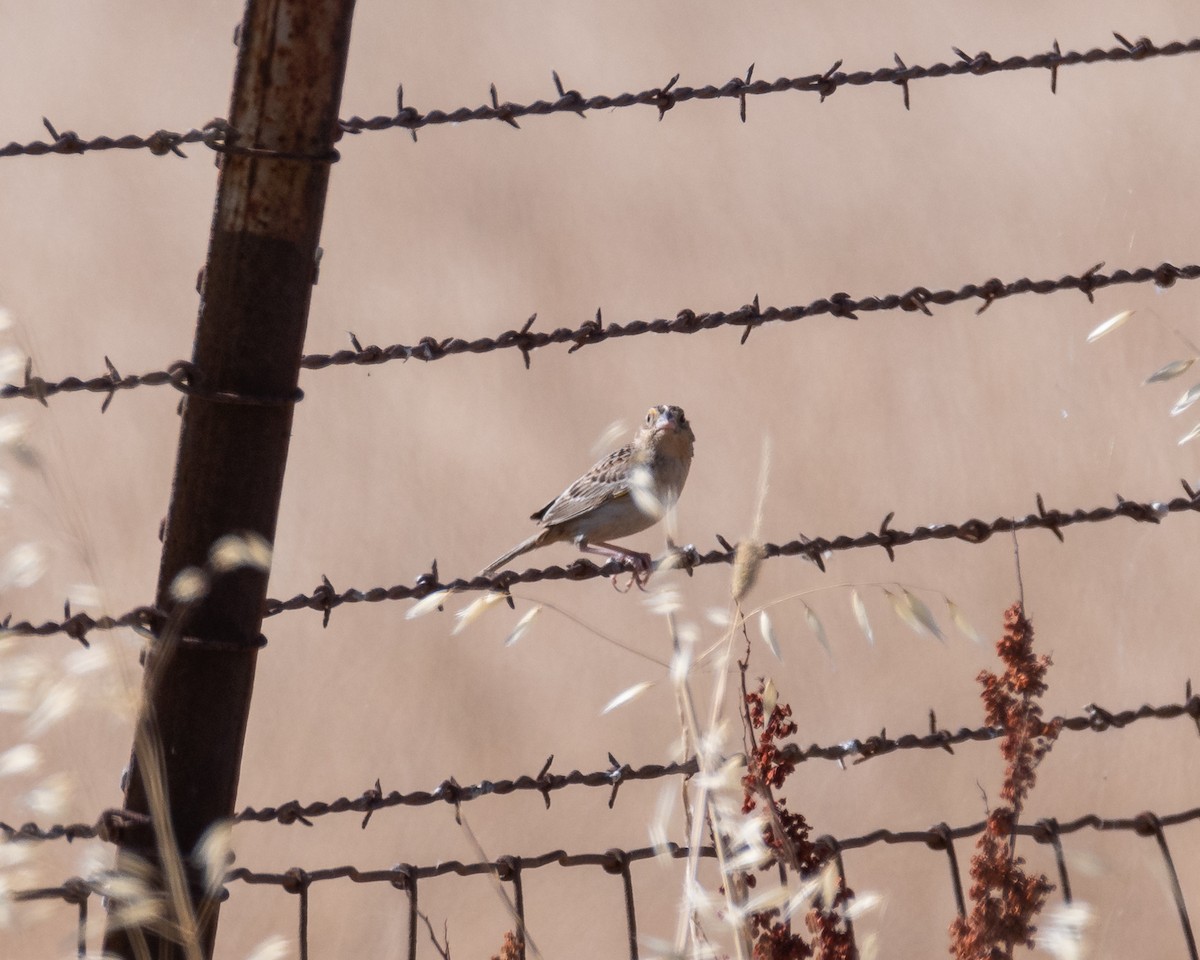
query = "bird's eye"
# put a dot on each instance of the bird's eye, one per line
(650, 415)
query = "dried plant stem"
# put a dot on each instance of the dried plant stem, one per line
(481, 854)
(150, 759)
(705, 813)
(579, 621)
(148, 750)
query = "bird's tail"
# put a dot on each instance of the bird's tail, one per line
(539, 539)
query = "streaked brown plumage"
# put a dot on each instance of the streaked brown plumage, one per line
(617, 497)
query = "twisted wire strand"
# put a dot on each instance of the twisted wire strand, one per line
(1095, 719)
(326, 598)
(219, 136)
(184, 377)
(1147, 824)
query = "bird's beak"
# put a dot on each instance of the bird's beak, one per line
(666, 422)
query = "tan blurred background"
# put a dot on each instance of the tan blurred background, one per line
(475, 227)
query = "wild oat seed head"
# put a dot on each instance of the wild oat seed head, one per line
(774, 898)
(803, 897)
(702, 902)
(1061, 930)
(768, 634)
(818, 629)
(23, 758)
(656, 949)
(710, 747)
(863, 903)
(51, 797)
(770, 698)
(660, 825)
(727, 778)
(1169, 372)
(131, 893)
(87, 661)
(664, 601)
(55, 703)
(718, 617)
(860, 614)
(426, 604)
(746, 562)
(1109, 325)
(687, 633)
(85, 595)
(6, 902)
(522, 625)
(627, 695)
(681, 664)
(274, 947)
(23, 567)
(747, 841)
(13, 430)
(923, 615)
(12, 365)
(190, 584)
(236, 550)
(610, 438)
(959, 619)
(474, 610)
(1190, 396)
(641, 487)
(214, 854)
(1189, 436)
(15, 853)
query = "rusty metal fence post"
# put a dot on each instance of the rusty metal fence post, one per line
(236, 426)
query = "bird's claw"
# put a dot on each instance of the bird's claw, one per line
(641, 567)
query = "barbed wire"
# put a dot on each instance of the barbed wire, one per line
(184, 377)
(326, 598)
(1095, 719)
(974, 531)
(219, 136)
(1042, 831)
(78, 625)
(617, 861)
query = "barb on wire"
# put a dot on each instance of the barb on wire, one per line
(1095, 719)
(182, 374)
(218, 135)
(326, 597)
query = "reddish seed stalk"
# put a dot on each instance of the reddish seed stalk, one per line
(1004, 899)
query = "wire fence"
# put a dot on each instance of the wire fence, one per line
(186, 377)
(617, 862)
(218, 135)
(1095, 719)
(326, 598)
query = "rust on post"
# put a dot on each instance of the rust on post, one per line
(237, 417)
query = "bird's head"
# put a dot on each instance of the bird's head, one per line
(665, 429)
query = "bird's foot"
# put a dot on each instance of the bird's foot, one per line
(640, 565)
(640, 568)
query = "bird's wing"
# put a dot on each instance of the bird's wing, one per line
(606, 481)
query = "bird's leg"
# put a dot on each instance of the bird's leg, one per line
(639, 563)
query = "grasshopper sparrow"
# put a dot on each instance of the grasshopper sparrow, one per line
(623, 494)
